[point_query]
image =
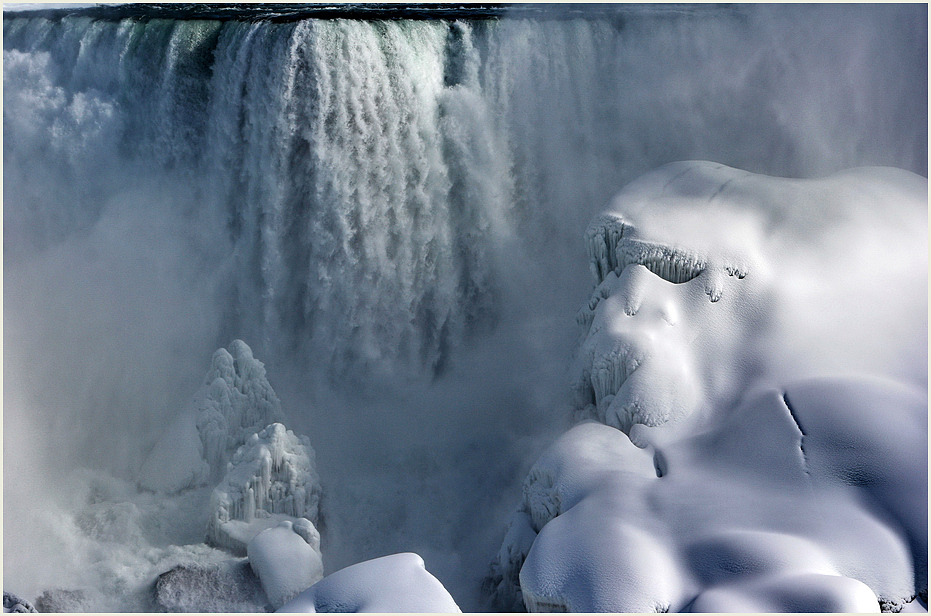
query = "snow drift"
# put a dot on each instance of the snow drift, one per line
(286, 559)
(741, 458)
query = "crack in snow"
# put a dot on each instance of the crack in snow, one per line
(798, 424)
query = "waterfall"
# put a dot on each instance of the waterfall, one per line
(390, 212)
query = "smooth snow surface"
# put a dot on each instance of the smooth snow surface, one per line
(395, 583)
(708, 277)
(750, 515)
(286, 559)
(740, 460)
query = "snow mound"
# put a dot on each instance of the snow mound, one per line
(271, 479)
(234, 402)
(395, 583)
(286, 560)
(707, 277)
(754, 515)
(757, 379)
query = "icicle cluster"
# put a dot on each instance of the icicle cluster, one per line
(270, 476)
(235, 401)
(612, 246)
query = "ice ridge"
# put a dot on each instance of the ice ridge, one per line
(235, 401)
(613, 245)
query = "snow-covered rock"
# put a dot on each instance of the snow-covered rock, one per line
(755, 515)
(286, 560)
(234, 402)
(221, 587)
(708, 277)
(271, 479)
(13, 604)
(755, 360)
(395, 583)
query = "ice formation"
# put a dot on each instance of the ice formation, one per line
(234, 435)
(744, 456)
(267, 481)
(271, 479)
(286, 560)
(395, 583)
(368, 199)
(234, 402)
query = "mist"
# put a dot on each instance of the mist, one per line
(391, 214)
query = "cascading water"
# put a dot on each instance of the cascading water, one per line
(390, 213)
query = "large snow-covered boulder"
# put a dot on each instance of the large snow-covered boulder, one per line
(286, 560)
(395, 583)
(770, 511)
(234, 402)
(755, 360)
(271, 479)
(709, 278)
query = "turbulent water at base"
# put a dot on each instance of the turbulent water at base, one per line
(390, 213)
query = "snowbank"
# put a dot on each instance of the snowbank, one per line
(739, 459)
(708, 277)
(395, 583)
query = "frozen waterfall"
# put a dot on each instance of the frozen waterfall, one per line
(390, 206)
